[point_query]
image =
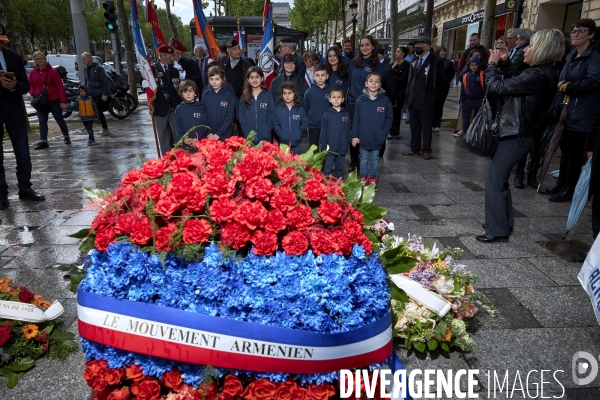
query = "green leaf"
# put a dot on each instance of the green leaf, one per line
(82, 234)
(318, 160)
(371, 213)
(62, 336)
(368, 194)
(309, 154)
(75, 276)
(400, 265)
(440, 330)
(284, 148)
(352, 191)
(21, 364)
(88, 244)
(419, 346)
(398, 294)
(407, 343)
(445, 346)
(372, 237)
(4, 371)
(48, 329)
(12, 379)
(94, 194)
(432, 344)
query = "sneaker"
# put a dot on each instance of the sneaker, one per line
(436, 129)
(456, 134)
(67, 140)
(91, 142)
(105, 132)
(41, 145)
(407, 120)
(403, 116)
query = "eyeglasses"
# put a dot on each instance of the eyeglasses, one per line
(581, 31)
(520, 38)
(511, 38)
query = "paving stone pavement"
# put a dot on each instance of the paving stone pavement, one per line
(544, 314)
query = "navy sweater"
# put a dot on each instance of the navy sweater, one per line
(336, 82)
(188, 115)
(296, 79)
(358, 76)
(335, 131)
(473, 90)
(316, 101)
(259, 117)
(220, 109)
(290, 124)
(372, 120)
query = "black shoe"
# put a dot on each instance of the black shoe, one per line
(67, 140)
(556, 189)
(580, 257)
(491, 239)
(484, 226)
(532, 181)
(29, 194)
(518, 182)
(41, 145)
(562, 197)
(3, 201)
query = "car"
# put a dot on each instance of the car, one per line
(137, 73)
(69, 61)
(29, 66)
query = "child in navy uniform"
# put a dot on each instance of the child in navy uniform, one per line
(189, 113)
(335, 134)
(256, 111)
(290, 118)
(373, 119)
(316, 101)
(471, 92)
(88, 112)
(219, 101)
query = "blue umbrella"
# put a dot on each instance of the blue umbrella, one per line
(580, 197)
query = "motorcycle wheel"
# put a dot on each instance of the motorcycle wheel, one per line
(133, 103)
(119, 108)
(67, 114)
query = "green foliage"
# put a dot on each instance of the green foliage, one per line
(245, 8)
(314, 160)
(395, 260)
(312, 15)
(30, 18)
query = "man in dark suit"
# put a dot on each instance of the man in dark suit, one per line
(202, 60)
(518, 55)
(187, 68)
(235, 67)
(288, 45)
(13, 118)
(425, 75)
(167, 98)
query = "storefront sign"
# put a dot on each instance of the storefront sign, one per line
(413, 9)
(471, 18)
(474, 17)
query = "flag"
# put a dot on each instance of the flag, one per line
(142, 57)
(266, 11)
(240, 36)
(307, 79)
(265, 59)
(152, 22)
(205, 30)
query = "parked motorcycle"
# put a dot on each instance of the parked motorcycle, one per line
(118, 103)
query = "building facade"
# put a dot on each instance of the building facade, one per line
(281, 13)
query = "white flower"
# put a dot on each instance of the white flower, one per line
(443, 285)
(391, 226)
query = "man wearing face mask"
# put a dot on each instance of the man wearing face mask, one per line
(425, 75)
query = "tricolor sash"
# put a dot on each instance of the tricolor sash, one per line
(203, 339)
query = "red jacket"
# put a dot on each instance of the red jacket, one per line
(56, 90)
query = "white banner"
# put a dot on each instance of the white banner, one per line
(29, 312)
(589, 276)
(417, 292)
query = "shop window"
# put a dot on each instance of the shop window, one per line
(571, 16)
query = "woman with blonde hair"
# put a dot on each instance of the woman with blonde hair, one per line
(532, 90)
(43, 76)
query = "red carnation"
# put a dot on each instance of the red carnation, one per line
(162, 240)
(300, 217)
(287, 176)
(218, 185)
(235, 142)
(261, 389)
(314, 190)
(196, 231)
(320, 392)
(251, 213)
(283, 199)
(330, 212)
(259, 188)
(333, 189)
(154, 191)
(4, 335)
(166, 206)
(321, 241)
(153, 169)
(125, 224)
(295, 243)
(25, 296)
(365, 242)
(124, 191)
(197, 201)
(133, 177)
(180, 161)
(265, 243)
(146, 389)
(357, 217)
(104, 236)
(173, 380)
(222, 210)
(141, 232)
(275, 221)
(235, 235)
(232, 386)
(216, 152)
(343, 242)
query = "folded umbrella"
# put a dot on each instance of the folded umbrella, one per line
(554, 141)
(580, 197)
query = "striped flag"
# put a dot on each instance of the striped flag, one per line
(307, 79)
(142, 57)
(240, 36)
(152, 22)
(205, 30)
(265, 59)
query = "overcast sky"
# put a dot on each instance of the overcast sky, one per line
(185, 8)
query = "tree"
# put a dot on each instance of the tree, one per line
(394, 24)
(124, 19)
(170, 21)
(6, 20)
(30, 17)
(94, 16)
(61, 23)
(244, 7)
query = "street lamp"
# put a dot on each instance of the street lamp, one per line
(323, 39)
(354, 10)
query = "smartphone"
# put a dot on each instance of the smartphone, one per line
(9, 75)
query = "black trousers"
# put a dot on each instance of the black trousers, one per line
(20, 144)
(100, 104)
(395, 131)
(438, 109)
(420, 129)
(314, 134)
(354, 151)
(572, 146)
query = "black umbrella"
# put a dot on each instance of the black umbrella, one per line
(553, 142)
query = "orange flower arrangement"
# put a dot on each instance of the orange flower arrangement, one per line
(30, 331)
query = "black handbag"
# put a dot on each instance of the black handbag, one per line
(510, 117)
(41, 101)
(482, 135)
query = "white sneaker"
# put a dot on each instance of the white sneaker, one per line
(105, 132)
(403, 116)
(436, 129)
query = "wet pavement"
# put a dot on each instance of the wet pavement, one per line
(545, 316)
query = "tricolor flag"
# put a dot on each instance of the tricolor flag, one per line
(204, 30)
(240, 36)
(152, 22)
(307, 79)
(265, 59)
(142, 58)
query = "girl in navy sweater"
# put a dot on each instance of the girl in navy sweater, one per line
(257, 107)
(290, 119)
(337, 70)
(219, 101)
(189, 113)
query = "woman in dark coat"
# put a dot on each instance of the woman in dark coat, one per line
(535, 87)
(400, 68)
(442, 91)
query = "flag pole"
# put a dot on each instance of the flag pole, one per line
(155, 135)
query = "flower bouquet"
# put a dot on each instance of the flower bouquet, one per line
(22, 338)
(233, 272)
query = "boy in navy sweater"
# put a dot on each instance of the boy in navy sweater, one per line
(335, 134)
(220, 103)
(316, 101)
(472, 91)
(373, 119)
(189, 113)
(290, 119)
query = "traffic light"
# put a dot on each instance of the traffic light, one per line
(109, 14)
